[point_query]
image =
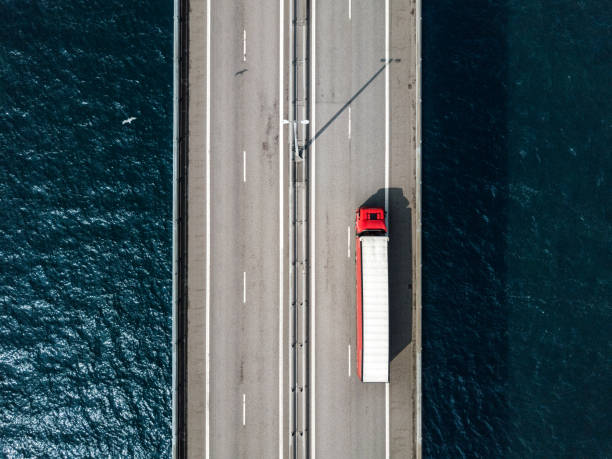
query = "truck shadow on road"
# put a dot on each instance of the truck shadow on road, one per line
(400, 267)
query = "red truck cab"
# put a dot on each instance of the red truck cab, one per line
(370, 219)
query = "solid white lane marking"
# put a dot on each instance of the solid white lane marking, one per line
(349, 122)
(243, 409)
(387, 114)
(313, 367)
(244, 166)
(244, 287)
(208, 285)
(244, 45)
(281, 75)
(387, 420)
(349, 8)
(349, 360)
(348, 241)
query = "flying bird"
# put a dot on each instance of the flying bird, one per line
(129, 120)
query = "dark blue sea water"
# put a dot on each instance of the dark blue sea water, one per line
(85, 228)
(517, 202)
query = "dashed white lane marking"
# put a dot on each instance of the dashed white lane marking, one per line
(348, 241)
(244, 287)
(244, 166)
(244, 45)
(349, 8)
(349, 122)
(349, 360)
(243, 409)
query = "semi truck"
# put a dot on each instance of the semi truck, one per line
(372, 281)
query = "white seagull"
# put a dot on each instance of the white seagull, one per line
(129, 120)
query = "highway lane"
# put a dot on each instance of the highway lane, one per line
(244, 232)
(349, 416)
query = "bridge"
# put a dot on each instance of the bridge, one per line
(288, 116)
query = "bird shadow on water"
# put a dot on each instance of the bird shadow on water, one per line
(400, 267)
(465, 186)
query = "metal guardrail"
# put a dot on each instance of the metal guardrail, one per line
(299, 376)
